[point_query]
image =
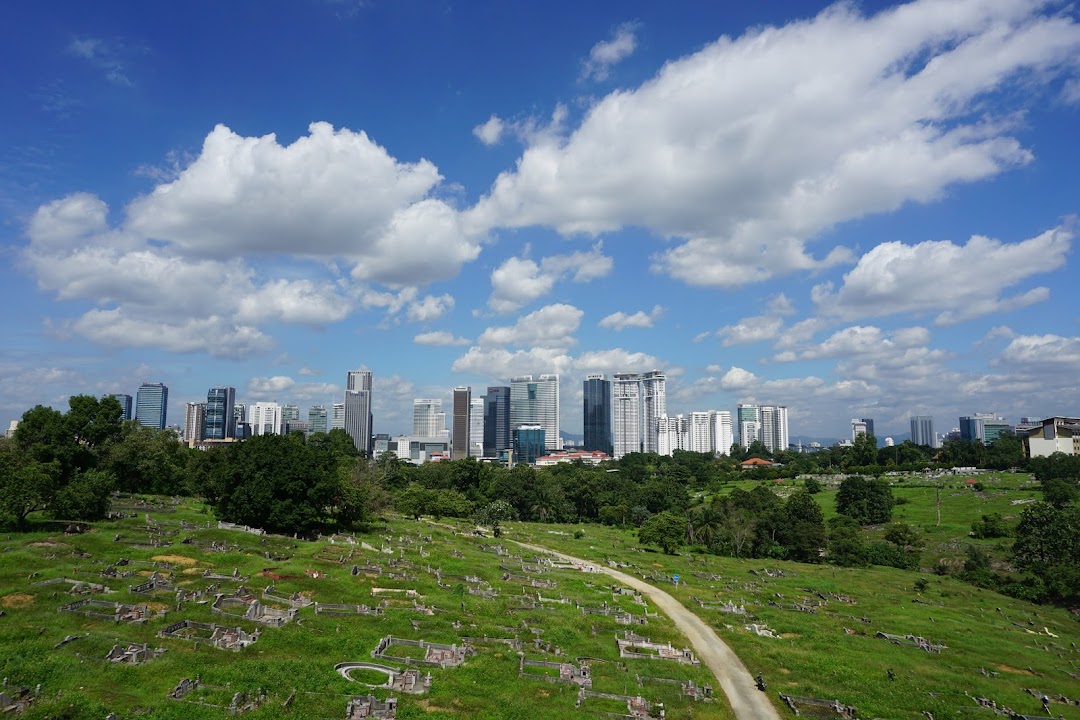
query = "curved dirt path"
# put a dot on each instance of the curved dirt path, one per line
(735, 680)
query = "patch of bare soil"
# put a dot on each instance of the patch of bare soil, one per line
(17, 600)
(1011, 669)
(155, 606)
(178, 559)
(45, 543)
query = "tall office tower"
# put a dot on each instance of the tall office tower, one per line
(597, 413)
(653, 406)
(459, 447)
(724, 438)
(289, 413)
(125, 403)
(671, 434)
(220, 413)
(858, 427)
(537, 402)
(151, 405)
(316, 417)
(194, 421)
(529, 443)
(869, 422)
(497, 435)
(359, 421)
(428, 418)
(626, 414)
(239, 414)
(749, 420)
(266, 419)
(774, 428)
(701, 429)
(922, 430)
(476, 427)
(337, 416)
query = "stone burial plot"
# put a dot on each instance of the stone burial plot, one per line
(816, 708)
(421, 652)
(410, 681)
(196, 692)
(369, 706)
(637, 707)
(223, 638)
(556, 672)
(634, 646)
(114, 611)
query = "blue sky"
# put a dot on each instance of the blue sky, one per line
(856, 210)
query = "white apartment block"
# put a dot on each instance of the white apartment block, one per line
(429, 420)
(626, 413)
(672, 433)
(653, 406)
(476, 427)
(774, 427)
(266, 419)
(337, 416)
(710, 432)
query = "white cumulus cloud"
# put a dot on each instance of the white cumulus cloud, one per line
(519, 280)
(620, 320)
(439, 338)
(607, 53)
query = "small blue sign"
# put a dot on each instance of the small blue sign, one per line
(675, 578)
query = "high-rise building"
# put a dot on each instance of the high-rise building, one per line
(459, 447)
(869, 422)
(239, 414)
(337, 416)
(476, 427)
(151, 405)
(653, 406)
(537, 402)
(302, 427)
(722, 432)
(774, 427)
(710, 432)
(626, 414)
(597, 414)
(858, 427)
(497, 421)
(220, 413)
(529, 443)
(125, 403)
(266, 419)
(194, 422)
(922, 430)
(428, 418)
(289, 413)
(749, 420)
(359, 421)
(672, 433)
(316, 416)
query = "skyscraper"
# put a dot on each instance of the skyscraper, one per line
(316, 416)
(749, 419)
(266, 419)
(151, 405)
(359, 421)
(858, 427)
(125, 403)
(922, 430)
(626, 414)
(869, 422)
(722, 434)
(597, 413)
(476, 427)
(529, 443)
(653, 406)
(672, 433)
(194, 419)
(710, 432)
(289, 413)
(497, 421)
(459, 447)
(220, 413)
(337, 416)
(537, 402)
(429, 420)
(774, 427)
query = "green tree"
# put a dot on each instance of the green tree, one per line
(990, 526)
(803, 532)
(846, 546)
(25, 484)
(665, 529)
(147, 460)
(85, 497)
(864, 450)
(869, 502)
(1048, 546)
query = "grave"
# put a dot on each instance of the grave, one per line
(114, 611)
(689, 688)
(369, 706)
(813, 707)
(133, 653)
(646, 649)
(912, 641)
(156, 584)
(296, 600)
(567, 672)
(223, 638)
(637, 707)
(334, 609)
(252, 610)
(406, 681)
(433, 653)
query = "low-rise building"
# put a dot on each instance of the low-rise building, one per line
(1055, 434)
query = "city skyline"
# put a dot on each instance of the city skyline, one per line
(457, 199)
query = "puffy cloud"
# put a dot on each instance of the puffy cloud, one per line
(1044, 351)
(615, 360)
(67, 222)
(519, 281)
(753, 145)
(737, 378)
(497, 362)
(551, 326)
(429, 307)
(963, 281)
(212, 335)
(439, 338)
(295, 301)
(620, 320)
(265, 386)
(607, 53)
(317, 391)
(859, 340)
(490, 132)
(308, 372)
(751, 329)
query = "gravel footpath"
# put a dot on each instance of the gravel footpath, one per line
(735, 680)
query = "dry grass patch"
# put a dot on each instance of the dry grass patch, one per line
(178, 559)
(1010, 669)
(17, 600)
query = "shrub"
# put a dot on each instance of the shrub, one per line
(921, 584)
